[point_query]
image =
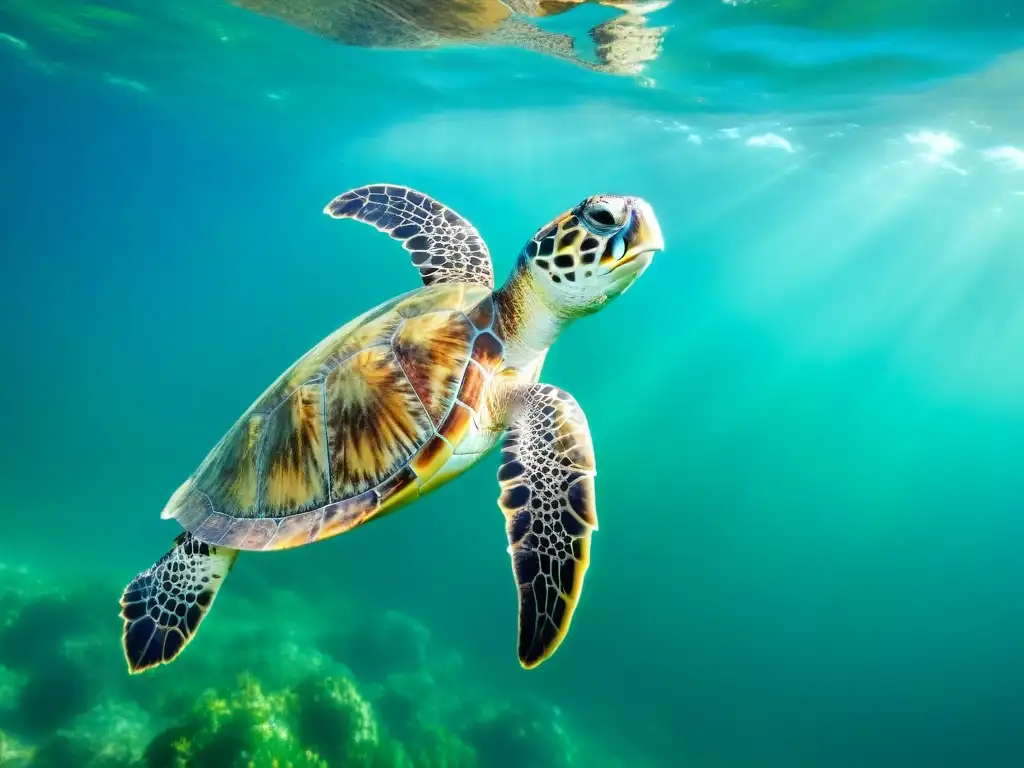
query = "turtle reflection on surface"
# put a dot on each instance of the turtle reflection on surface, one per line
(622, 45)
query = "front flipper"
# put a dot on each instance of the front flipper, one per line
(547, 480)
(622, 46)
(445, 247)
(522, 33)
(626, 44)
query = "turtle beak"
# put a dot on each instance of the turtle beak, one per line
(644, 233)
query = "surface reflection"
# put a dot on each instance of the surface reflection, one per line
(622, 44)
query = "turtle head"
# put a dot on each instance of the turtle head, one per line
(592, 253)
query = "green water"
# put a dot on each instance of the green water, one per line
(807, 414)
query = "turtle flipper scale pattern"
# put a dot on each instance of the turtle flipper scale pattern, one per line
(521, 33)
(445, 247)
(164, 605)
(547, 480)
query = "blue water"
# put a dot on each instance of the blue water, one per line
(808, 414)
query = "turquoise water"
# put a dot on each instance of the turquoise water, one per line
(808, 413)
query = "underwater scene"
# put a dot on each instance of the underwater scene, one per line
(715, 303)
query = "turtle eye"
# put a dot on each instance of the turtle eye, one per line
(603, 216)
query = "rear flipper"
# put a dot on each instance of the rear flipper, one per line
(163, 606)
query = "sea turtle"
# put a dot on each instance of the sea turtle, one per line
(622, 44)
(404, 398)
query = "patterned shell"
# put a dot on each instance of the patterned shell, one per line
(387, 23)
(353, 429)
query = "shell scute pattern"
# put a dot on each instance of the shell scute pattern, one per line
(362, 430)
(374, 421)
(229, 473)
(293, 454)
(375, 327)
(432, 350)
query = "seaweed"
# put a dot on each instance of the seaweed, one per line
(14, 753)
(290, 699)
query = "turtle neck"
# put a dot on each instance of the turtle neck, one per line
(525, 321)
